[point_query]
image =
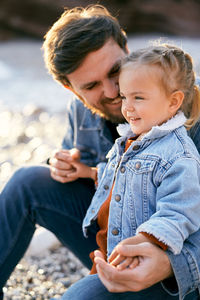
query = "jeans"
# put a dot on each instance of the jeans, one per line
(90, 288)
(32, 197)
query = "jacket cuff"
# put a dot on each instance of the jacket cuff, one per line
(186, 274)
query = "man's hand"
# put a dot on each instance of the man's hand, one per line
(153, 266)
(121, 261)
(61, 164)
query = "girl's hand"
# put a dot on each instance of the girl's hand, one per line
(116, 258)
(122, 262)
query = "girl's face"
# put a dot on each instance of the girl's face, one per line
(144, 101)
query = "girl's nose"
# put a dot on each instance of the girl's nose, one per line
(129, 106)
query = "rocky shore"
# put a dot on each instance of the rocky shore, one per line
(28, 137)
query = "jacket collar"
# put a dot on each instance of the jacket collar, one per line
(94, 123)
(156, 131)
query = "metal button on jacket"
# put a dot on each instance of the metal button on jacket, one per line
(138, 165)
(106, 187)
(117, 198)
(115, 231)
(123, 169)
(136, 147)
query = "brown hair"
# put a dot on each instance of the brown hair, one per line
(78, 32)
(176, 74)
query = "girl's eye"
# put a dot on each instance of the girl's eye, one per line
(139, 98)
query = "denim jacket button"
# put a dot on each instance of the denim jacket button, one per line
(115, 231)
(123, 169)
(117, 198)
(106, 187)
(136, 147)
(138, 165)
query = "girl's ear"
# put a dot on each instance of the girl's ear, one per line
(176, 100)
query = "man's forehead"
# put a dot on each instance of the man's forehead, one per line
(97, 64)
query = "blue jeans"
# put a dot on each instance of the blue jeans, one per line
(31, 197)
(90, 288)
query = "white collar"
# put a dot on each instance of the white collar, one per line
(156, 131)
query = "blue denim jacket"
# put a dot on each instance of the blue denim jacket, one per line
(156, 190)
(88, 133)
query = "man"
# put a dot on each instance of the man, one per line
(83, 51)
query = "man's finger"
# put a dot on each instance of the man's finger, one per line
(111, 286)
(111, 272)
(113, 255)
(109, 276)
(59, 178)
(98, 253)
(117, 260)
(143, 249)
(64, 156)
(75, 154)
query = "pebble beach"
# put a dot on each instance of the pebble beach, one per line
(28, 138)
(32, 125)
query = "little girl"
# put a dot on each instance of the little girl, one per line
(150, 187)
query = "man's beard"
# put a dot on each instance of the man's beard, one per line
(105, 114)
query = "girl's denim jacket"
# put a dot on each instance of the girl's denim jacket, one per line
(88, 133)
(156, 187)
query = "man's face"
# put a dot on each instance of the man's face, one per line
(95, 82)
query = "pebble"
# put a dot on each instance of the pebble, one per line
(28, 137)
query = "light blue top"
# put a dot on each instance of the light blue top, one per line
(88, 133)
(156, 187)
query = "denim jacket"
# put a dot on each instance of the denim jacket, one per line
(88, 133)
(156, 189)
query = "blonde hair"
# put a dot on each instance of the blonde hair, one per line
(177, 74)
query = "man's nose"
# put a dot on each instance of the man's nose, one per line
(111, 88)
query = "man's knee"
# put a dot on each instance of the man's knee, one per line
(23, 182)
(28, 176)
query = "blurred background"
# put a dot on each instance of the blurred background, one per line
(32, 105)
(23, 24)
(32, 18)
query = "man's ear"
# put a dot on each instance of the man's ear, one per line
(176, 100)
(68, 87)
(71, 90)
(127, 49)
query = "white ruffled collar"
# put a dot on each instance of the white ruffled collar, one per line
(156, 131)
